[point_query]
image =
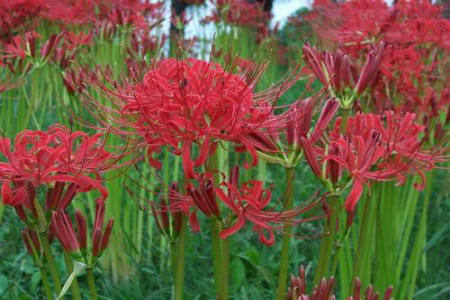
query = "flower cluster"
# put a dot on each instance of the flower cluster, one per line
(414, 68)
(239, 13)
(324, 291)
(117, 12)
(181, 104)
(61, 164)
(75, 242)
(65, 162)
(340, 76)
(371, 148)
(241, 203)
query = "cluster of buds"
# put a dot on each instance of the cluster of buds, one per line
(167, 219)
(339, 76)
(297, 138)
(75, 242)
(21, 56)
(32, 244)
(324, 291)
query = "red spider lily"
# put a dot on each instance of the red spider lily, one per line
(370, 293)
(324, 291)
(15, 13)
(335, 71)
(298, 290)
(249, 203)
(204, 196)
(370, 150)
(62, 160)
(307, 138)
(298, 135)
(21, 46)
(75, 242)
(416, 32)
(355, 23)
(246, 202)
(118, 12)
(343, 19)
(21, 56)
(183, 104)
(31, 240)
(238, 12)
(142, 43)
(161, 214)
(76, 40)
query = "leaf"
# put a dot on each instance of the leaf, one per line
(3, 284)
(237, 273)
(35, 279)
(437, 237)
(77, 269)
(253, 256)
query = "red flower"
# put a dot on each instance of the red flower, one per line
(20, 46)
(324, 291)
(193, 103)
(335, 71)
(64, 161)
(15, 13)
(372, 149)
(162, 216)
(239, 12)
(249, 202)
(31, 240)
(418, 36)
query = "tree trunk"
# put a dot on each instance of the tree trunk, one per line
(178, 7)
(267, 5)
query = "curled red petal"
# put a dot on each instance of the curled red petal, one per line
(354, 195)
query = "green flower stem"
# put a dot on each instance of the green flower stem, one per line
(91, 283)
(287, 229)
(225, 266)
(173, 256)
(180, 261)
(219, 247)
(408, 285)
(362, 267)
(2, 210)
(76, 295)
(217, 257)
(344, 268)
(46, 283)
(43, 237)
(345, 115)
(328, 241)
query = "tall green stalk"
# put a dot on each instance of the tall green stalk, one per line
(328, 242)
(219, 247)
(45, 283)
(180, 263)
(43, 238)
(76, 295)
(287, 229)
(408, 284)
(91, 283)
(218, 260)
